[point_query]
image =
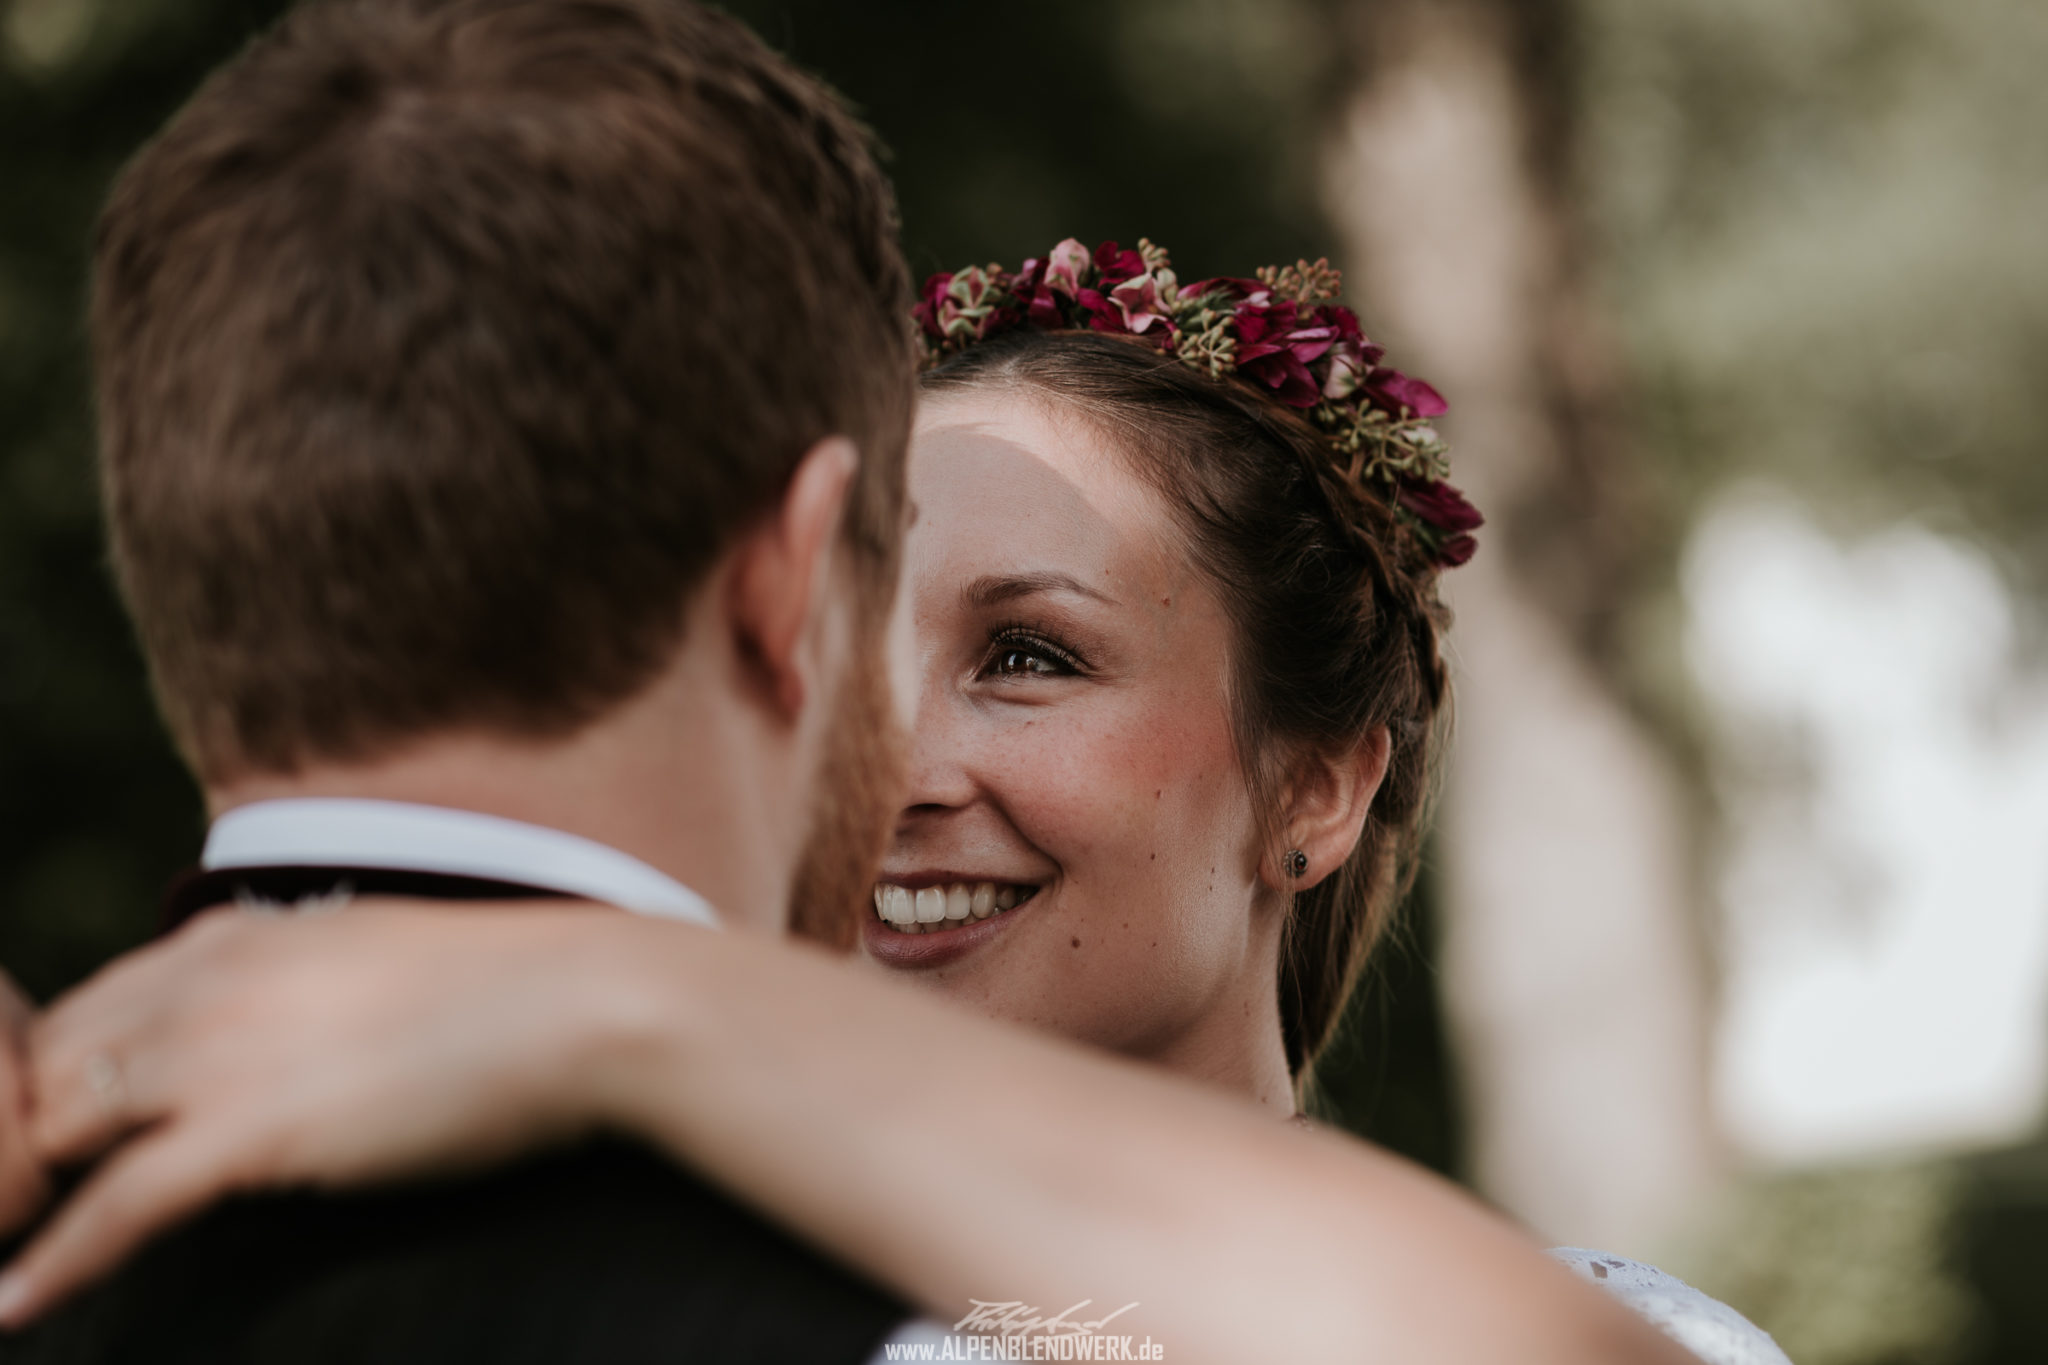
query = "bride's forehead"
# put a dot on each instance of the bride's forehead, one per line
(984, 497)
(994, 508)
(1005, 454)
(980, 493)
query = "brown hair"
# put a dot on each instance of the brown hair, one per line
(1332, 598)
(443, 345)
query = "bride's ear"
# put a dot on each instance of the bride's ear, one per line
(1324, 813)
(781, 578)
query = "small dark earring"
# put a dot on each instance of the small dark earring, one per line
(1297, 862)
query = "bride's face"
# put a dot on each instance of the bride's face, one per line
(1072, 757)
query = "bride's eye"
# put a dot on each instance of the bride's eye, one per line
(1012, 663)
(1015, 654)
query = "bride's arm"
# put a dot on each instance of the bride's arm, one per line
(947, 1156)
(955, 1158)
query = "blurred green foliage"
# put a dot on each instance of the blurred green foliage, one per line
(1845, 1267)
(1820, 226)
(95, 811)
(1818, 229)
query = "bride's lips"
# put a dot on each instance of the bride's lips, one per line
(903, 931)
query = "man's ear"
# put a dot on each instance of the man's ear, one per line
(1326, 806)
(782, 568)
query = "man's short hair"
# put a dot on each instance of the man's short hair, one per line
(445, 345)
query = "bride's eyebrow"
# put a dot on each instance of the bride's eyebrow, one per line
(992, 590)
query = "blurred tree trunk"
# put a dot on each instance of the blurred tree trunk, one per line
(1572, 967)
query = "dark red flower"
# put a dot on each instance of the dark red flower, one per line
(927, 310)
(1455, 550)
(1391, 391)
(1439, 506)
(1116, 264)
(1225, 288)
(1274, 348)
(1102, 314)
(1125, 311)
(1040, 306)
(1344, 323)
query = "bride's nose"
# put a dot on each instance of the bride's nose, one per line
(941, 766)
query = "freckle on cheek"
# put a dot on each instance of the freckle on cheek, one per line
(1077, 943)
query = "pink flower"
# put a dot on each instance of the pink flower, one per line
(1391, 391)
(973, 286)
(1138, 300)
(1455, 550)
(1351, 360)
(1127, 310)
(1066, 267)
(967, 305)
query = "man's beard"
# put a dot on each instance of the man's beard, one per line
(854, 810)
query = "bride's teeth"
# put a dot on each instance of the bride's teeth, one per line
(933, 908)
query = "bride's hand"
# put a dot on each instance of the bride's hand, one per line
(259, 1051)
(24, 1188)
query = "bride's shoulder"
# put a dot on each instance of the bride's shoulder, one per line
(1710, 1329)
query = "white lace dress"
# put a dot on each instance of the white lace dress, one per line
(1710, 1329)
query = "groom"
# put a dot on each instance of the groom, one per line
(503, 406)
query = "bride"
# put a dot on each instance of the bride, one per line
(1171, 600)
(1178, 680)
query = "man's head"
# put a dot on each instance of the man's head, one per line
(446, 348)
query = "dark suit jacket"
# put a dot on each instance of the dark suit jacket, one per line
(605, 1254)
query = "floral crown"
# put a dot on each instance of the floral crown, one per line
(1279, 330)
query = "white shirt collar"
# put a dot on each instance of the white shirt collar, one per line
(336, 832)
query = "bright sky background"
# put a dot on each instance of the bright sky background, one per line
(1885, 891)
